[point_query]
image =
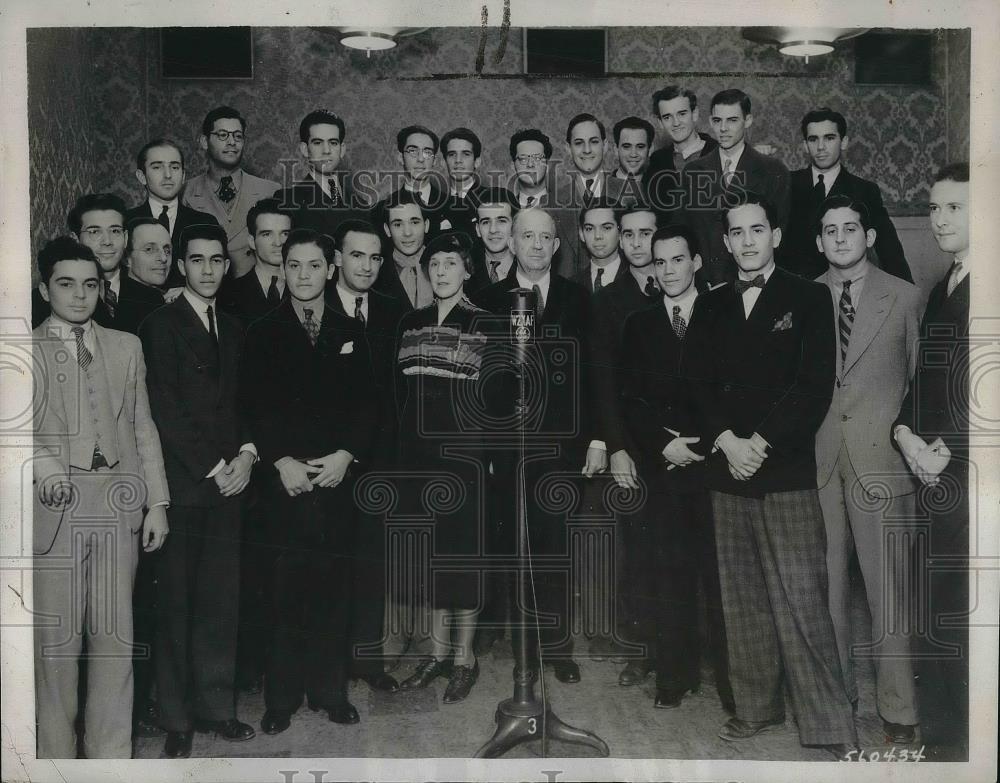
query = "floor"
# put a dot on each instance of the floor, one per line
(416, 724)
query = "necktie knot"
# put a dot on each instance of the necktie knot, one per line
(334, 190)
(678, 323)
(651, 290)
(312, 328)
(226, 191)
(164, 217)
(953, 278)
(358, 312)
(531, 201)
(742, 286)
(599, 280)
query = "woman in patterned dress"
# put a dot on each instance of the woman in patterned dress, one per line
(441, 360)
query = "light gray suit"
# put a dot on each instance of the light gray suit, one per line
(865, 489)
(85, 554)
(199, 193)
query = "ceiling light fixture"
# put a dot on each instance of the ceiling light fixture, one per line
(374, 39)
(802, 41)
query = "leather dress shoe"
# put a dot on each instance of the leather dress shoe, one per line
(460, 683)
(635, 672)
(669, 698)
(382, 682)
(737, 729)
(178, 744)
(899, 733)
(275, 721)
(344, 713)
(566, 671)
(427, 671)
(230, 730)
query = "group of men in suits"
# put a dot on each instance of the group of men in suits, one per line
(709, 370)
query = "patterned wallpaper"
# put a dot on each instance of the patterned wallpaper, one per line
(898, 134)
(62, 156)
(959, 58)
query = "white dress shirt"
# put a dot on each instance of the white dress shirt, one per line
(543, 284)
(610, 271)
(349, 299)
(522, 198)
(958, 274)
(200, 307)
(156, 207)
(685, 301)
(752, 294)
(732, 155)
(829, 177)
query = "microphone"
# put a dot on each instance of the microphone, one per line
(522, 322)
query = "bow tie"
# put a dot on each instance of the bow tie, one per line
(743, 285)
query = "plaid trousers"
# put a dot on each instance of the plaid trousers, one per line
(772, 569)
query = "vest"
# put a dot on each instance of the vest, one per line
(97, 421)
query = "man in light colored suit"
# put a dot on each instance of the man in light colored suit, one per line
(865, 490)
(97, 465)
(226, 190)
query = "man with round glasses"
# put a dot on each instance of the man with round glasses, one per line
(225, 190)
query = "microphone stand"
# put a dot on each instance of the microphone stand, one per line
(524, 717)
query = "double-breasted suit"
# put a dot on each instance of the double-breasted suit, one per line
(771, 373)
(865, 489)
(86, 553)
(192, 383)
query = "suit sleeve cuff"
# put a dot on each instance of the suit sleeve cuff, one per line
(164, 503)
(251, 450)
(598, 444)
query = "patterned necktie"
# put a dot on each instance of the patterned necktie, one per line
(358, 312)
(599, 280)
(539, 301)
(164, 218)
(494, 266)
(590, 188)
(531, 201)
(312, 328)
(679, 324)
(110, 298)
(273, 295)
(334, 191)
(953, 278)
(742, 286)
(226, 191)
(652, 290)
(727, 174)
(845, 321)
(83, 355)
(819, 190)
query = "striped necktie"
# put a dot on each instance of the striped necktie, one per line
(83, 355)
(845, 321)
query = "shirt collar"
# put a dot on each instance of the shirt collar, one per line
(767, 272)
(424, 191)
(543, 283)
(523, 197)
(407, 261)
(685, 301)
(695, 146)
(855, 274)
(317, 306)
(463, 191)
(734, 154)
(348, 298)
(65, 328)
(200, 305)
(610, 269)
(264, 275)
(156, 205)
(829, 176)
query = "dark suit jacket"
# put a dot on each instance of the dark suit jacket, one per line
(186, 216)
(660, 179)
(583, 276)
(136, 300)
(303, 401)
(798, 252)
(310, 207)
(380, 332)
(244, 298)
(933, 407)
(192, 393)
(705, 195)
(611, 307)
(562, 413)
(772, 374)
(655, 397)
(460, 213)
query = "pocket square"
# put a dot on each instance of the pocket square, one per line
(347, 347)
(782, 323)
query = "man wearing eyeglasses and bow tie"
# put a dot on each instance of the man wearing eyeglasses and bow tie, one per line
(225, 190)
(326, 197)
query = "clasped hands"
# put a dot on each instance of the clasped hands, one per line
(745, 455)
(925, 460)
(235, 476)
(298, 477)
(621, 464)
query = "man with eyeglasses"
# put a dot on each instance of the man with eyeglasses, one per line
(226, 190)
(418, 149)
(97, 221)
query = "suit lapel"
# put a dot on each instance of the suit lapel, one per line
(763, 312)
(193, 331)
(871, 312)
(109, 344)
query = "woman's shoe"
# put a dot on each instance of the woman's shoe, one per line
(427, 671)
(461, 682)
